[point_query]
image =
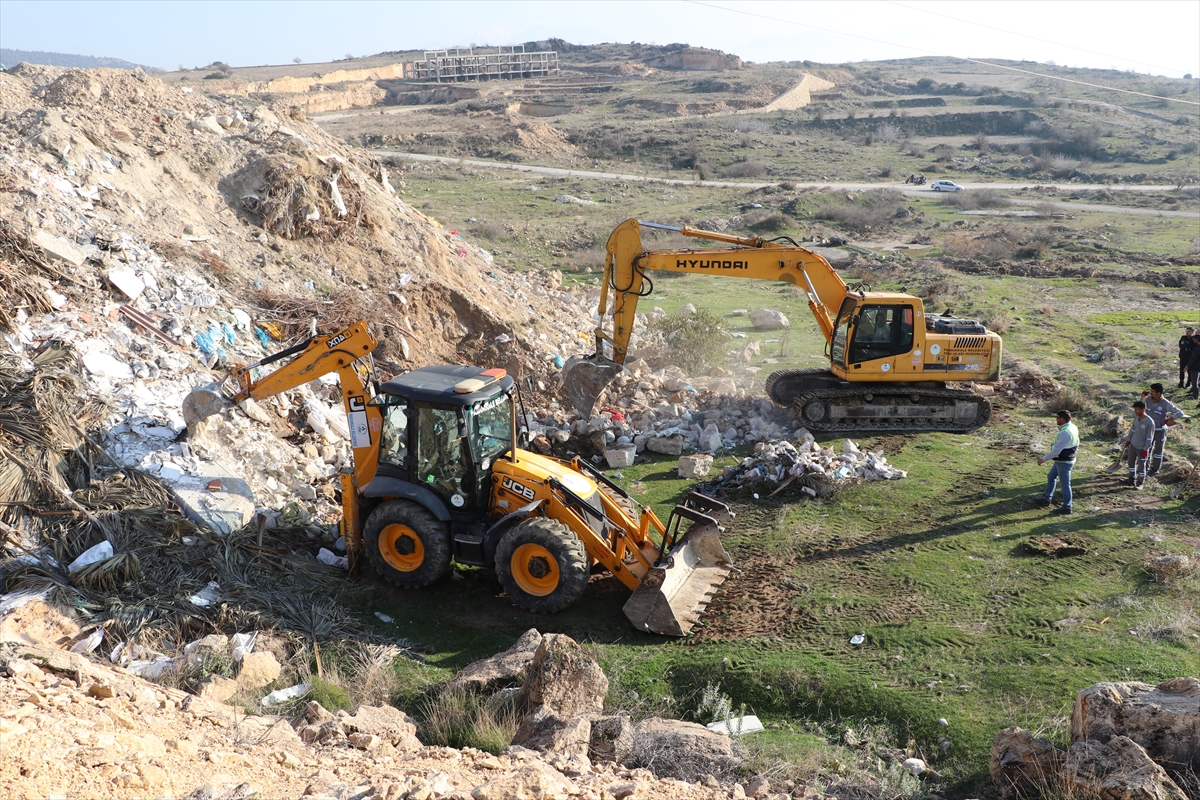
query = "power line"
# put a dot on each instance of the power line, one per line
(1034, 38)
(943, 55)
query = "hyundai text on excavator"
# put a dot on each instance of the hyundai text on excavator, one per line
(889, 360)
(438, 476)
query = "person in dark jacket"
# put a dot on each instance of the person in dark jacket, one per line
(1187, 346)
(1193, 369)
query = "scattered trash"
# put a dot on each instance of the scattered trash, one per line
(207, 596)
(857, 639)
(281, 696)
(384, 617)
(92, 555)
(332, 559)
(88, 643)
(241, 645)
(737, 726)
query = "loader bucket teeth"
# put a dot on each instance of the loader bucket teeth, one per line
(585, 378)
(672, 596)
(203, 402)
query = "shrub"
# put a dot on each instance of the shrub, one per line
(871, 210)
(1154, 353)
(1069, 398)
(1000, 323)
(769, 222)
(329, 694)
(979, 198)
(1047, 310)
(694, 342)
(462, 719)
(745, 169)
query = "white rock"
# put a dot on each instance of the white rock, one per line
(125, 279)
(767, 320)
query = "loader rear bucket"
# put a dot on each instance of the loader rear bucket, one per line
(672, 596)
(585, 378)
(203, 402)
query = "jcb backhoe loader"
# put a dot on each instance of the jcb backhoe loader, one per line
(438, 476)
(889, 360)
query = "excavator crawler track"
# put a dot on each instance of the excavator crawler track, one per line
(784, 386)
(884, 408)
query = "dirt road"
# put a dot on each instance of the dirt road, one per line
(910, 191)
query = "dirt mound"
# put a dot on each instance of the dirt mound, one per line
(542, 139)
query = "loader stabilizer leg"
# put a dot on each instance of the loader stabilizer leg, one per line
(584, 378)
(675, 592)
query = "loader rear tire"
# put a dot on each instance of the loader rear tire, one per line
(407, 545)
(542, 565)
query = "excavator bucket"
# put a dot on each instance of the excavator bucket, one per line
(585, 378)
(203, 402)
(673, 595)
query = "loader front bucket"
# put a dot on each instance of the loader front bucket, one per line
(203, 402)
(585, 378)
(671, 598)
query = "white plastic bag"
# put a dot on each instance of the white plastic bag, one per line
(207, 596)
(283, 695)
(241, 645)
(91, 556)
(89, 643)
(328, 557)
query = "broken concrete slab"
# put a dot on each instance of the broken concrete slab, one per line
(58, 248)
(223, 511)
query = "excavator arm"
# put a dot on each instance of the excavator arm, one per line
(625, 282)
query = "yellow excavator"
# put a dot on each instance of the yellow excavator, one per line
(438, 476)
(889, 360)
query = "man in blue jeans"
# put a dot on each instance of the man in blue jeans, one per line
(1062, 459)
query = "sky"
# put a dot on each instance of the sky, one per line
(1160, 37)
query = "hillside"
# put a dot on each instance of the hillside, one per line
(10, 58)
(158, 231)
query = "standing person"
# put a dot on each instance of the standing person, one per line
(1164, 413)
(1062, 460)
(1137, 446)
(1187, 344)
(1193, 369)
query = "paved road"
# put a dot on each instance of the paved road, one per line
(908, 190)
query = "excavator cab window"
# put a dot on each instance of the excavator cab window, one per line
(490, 425)
(837, 346)
(442, 463)
(881, 332)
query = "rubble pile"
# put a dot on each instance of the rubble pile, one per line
(819, 470)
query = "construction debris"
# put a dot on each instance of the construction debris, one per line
(818, 471)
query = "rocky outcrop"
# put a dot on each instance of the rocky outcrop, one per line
(1128, 740)
(1163, 719)
(499, 671)
(563, 690)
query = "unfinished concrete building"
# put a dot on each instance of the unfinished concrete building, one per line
(457, 64)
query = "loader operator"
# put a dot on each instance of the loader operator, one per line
(1164, 413)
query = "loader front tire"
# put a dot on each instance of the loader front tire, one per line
(407, 545)
(542, 565)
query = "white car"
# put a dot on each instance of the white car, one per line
(945, 186)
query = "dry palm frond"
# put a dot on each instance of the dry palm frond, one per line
(109, 573)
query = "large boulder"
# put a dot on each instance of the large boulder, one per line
(764, 319)
(387, 722)
(671, 748)
(1118, 769)
(499, 671)
(1022, 764)
(563, 679)
(1163, 719)
(562, 691)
